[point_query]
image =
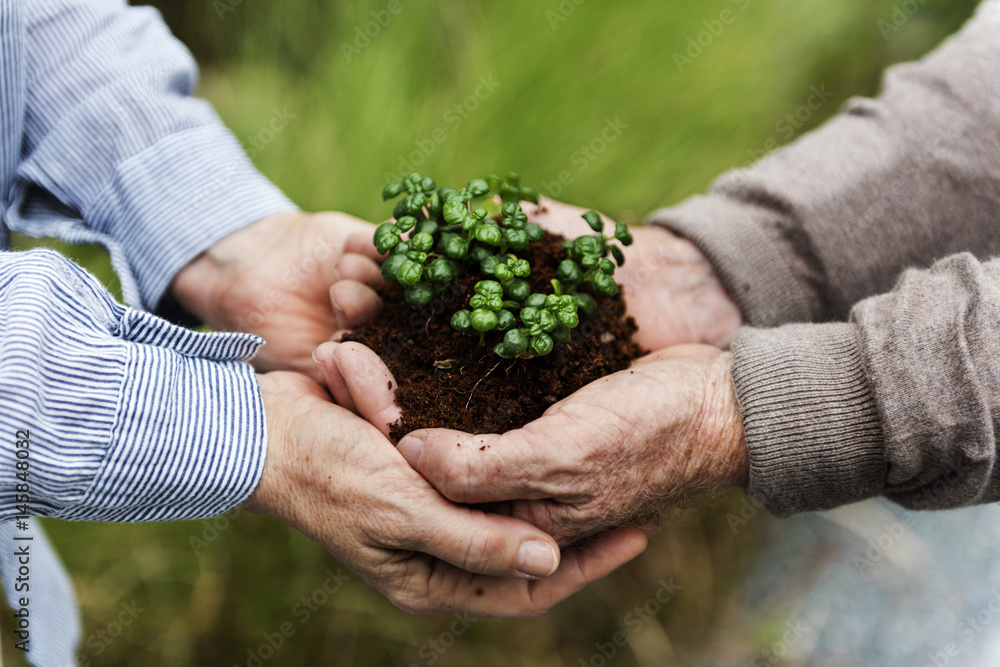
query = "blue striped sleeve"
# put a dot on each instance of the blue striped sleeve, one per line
(112, 133)
(130, 418)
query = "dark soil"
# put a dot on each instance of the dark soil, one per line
(446, 380)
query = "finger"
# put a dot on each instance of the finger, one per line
(484, 468)
(510, 598)
(370, 384)
(331, 377)
(362, 242)
(352, 266)
(354, 303)
(488, 544)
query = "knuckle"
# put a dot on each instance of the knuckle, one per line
(481, 551)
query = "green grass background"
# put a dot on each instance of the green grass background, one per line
(354, 120)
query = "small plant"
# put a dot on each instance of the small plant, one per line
(480, 231)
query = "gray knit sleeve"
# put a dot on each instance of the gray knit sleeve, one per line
(903, 401)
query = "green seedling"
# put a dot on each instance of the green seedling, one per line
(438, 235)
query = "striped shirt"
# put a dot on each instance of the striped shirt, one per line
(125, 417)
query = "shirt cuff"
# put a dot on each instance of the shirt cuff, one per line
(129, 418)
(753, 269)
(171, 201)
(811, 421)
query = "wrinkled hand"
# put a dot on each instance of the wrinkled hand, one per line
(671, 290)
(293, 279)
(665, 431)
(339, 480)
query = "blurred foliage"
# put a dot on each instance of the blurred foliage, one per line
(357, 116)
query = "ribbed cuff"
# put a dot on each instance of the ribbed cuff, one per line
(748, 262)
(172, 201)
(812, 425)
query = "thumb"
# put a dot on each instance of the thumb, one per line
(359, 381)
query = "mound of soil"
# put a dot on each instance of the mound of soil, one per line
(447, 380)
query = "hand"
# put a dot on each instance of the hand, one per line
(293, 279)
(670, 288)
(339, 480)
(627, 445)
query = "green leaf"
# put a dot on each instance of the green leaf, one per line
(440, 271)
(428, 185)
(608, 267)
(503, 273)
(447, 194)
(489, 265)
(409, 273)
(568, 319)
(419, 295)
(477, 301)
(484, 320)
(530, 316)
(386, 242)
(462, 321)
(535, 233)
(569, 272)
(593, 219)
(541, 345)
(454, 211)
(478, 187)
(506, 320)
(517, 289)
(521, 268)
(392, 191)
(427, 227)
(489, 234)
(547, 321)
(528, 194)
(618, 254)
(489, 288)
(401, 209)
(422, 242)
(587, 245)
(455, 247)
(535, 301)
(417, 256)
(604, 284)
(515, 341)
(406, 223)
(590, 261)
(623, 235)
(390, 267)
(503, 352)
(517, 240)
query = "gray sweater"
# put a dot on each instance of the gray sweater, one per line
(861, 256)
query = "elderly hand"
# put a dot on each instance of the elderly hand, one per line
(664, 431)
(339, 480)
(670, 288)
(293, 279)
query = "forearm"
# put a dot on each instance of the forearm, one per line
(903, 401)
(130, 418)
(116, 144)
(892, 183)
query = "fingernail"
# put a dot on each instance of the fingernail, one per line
(324, 376)
(333, 300)
(537, 559)
(412, 449)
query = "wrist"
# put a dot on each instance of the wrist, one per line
(203, 286)
(723, 461)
